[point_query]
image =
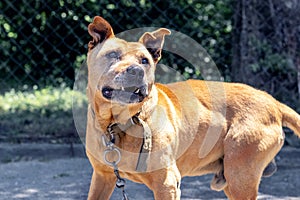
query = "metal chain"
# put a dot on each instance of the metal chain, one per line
(120, 183)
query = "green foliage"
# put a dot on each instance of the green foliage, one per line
(275, 72)
(43, 101)
(45, 41)
(39, 113)
(268, 59)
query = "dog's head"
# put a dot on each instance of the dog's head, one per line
(122, 72)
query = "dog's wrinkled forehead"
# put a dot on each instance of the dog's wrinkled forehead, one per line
(117, 47)
(103, 37)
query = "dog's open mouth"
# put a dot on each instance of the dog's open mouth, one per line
(126, 94)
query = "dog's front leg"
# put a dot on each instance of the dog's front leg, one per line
(102, 186)
(166, 184)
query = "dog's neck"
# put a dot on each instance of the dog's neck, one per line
(149, 105)
(107, 113)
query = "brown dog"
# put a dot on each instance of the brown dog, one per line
(166, 132)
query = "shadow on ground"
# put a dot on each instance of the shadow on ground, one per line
(68, 178)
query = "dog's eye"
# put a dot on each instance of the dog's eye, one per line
(113, 54)
(145, 61)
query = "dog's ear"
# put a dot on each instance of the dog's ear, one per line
(154, 42)
(100, 30)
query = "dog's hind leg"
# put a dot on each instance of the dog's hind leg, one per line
(246, 156)
(219, 183)
(242, 178)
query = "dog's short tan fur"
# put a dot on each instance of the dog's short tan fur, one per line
(244, 124)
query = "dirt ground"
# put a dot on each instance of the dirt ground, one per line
(66, 178)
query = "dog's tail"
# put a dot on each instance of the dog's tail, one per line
(290, 119)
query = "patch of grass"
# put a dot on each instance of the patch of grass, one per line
(44, 114)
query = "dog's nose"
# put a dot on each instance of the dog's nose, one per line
(135, 71)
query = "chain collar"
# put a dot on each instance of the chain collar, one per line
(108, 140)
(120, 129)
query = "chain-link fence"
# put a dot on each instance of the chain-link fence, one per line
(44, 41)
(256, 42)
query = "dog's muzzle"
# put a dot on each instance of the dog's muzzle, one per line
(130, 86)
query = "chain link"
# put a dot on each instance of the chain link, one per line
(120, 183)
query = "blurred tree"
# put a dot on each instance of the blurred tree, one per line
(267, 47)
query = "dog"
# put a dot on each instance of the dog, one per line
(156, 134)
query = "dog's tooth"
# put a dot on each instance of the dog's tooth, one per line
(122, 88)
(145, 91)
(137, 91)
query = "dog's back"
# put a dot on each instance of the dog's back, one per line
(238, 101)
